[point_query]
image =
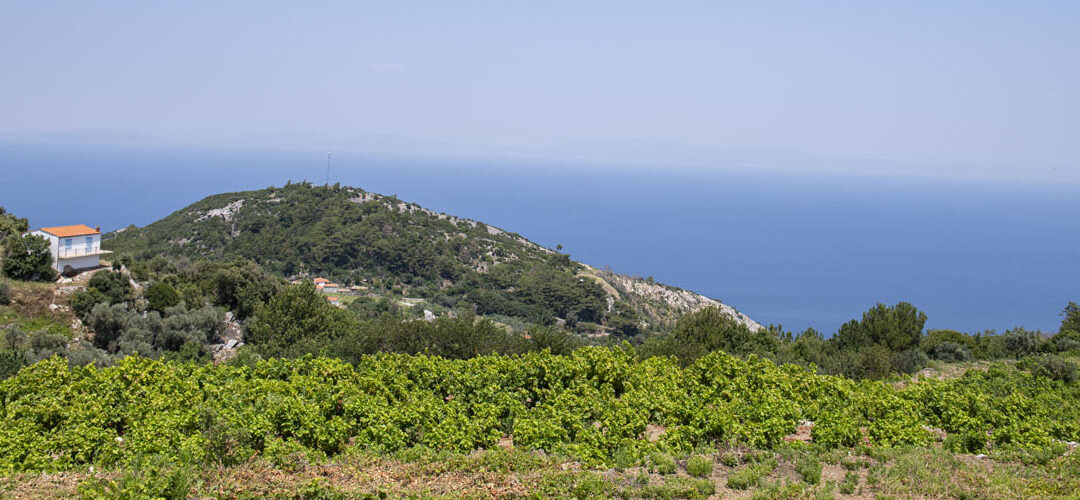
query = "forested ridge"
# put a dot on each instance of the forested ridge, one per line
(396, 248)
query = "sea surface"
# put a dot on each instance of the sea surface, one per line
(796, 249)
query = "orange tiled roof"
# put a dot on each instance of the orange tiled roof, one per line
(331, 298)
(321, 280)
(69, 231)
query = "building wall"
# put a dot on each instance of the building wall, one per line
(84, 262)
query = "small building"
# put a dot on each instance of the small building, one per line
(329, 287)
(320, 281)
(334, 301)
(73, 248)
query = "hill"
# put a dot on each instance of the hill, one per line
(395, 249)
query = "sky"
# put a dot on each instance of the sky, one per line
(980, 87)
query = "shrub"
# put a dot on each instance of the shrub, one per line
(154, 478)
(113, 285)
(909, 361)
(1020, 342)
(850, 483)
(950, 352)
(5, 294)
(729, 458)
(751, 475)
(809, 467)
(83, 301)
(161, 296)
(1054, 367)
(699, 466)
(27, 257)
(662, 463)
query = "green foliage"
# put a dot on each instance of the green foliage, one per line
(935, 337)
(662, 463)
(593, 405)
(5, 294)
(27, 257)
(751, 475)
(1052, 367)
(951, 352)
(896, 328)
(909, 361)
(83, 301)
(729, 458)
(1070, 318)
(10, 225)
(120, 330)
(699, 466)
(113, 285)
(356, 237)
(850, 483)
(149, 479)
(160, 296)
(809, 467)
(1020, 342)
(299, 313)
(709, 330)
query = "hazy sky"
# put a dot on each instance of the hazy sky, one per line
(984, 82)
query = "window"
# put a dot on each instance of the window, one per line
(89, 244)
(67, 243)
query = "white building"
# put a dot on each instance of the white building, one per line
(73, 247)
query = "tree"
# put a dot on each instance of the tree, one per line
(711, 329)
(27, 257)
(1020, 342)
(109, 322)
(297, 313)
(1071, 318)
(161, 296)
(11, 225)
(896, 328)
(113, 285)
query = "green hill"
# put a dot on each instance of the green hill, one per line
(398, 250)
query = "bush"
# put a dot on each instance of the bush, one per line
(1053, 367)
(83, 301)
(950, 352)
(699, 466)
(161, 296)
(809, 467)
(850, 483)
(113, 285)
(1020, 342)
(729, 458)
(5, 294)
(751, 475)
(662, 463)
(909, 361)
(154, 478)
(27, 257)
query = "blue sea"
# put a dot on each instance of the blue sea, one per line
(796, 249)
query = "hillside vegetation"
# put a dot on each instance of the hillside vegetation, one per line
(399, 249)
(600, 407)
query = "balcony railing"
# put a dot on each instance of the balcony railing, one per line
(68, 253)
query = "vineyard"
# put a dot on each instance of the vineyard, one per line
(598, 406)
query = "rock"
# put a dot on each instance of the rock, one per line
(428, 315)
(231, 344)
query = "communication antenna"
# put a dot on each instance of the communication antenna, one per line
(327, 169)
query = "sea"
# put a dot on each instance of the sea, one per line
(786, 247)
